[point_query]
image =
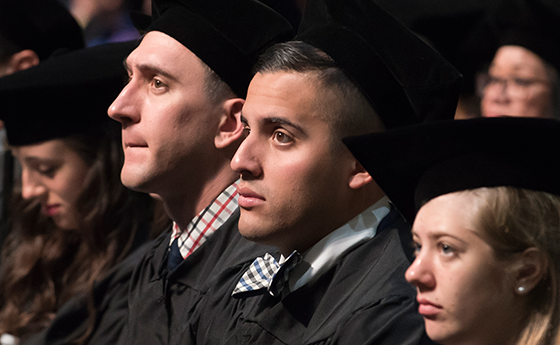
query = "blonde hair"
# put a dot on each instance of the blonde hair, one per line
(513, 220)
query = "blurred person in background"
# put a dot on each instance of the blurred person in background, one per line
(73, 220)
(106, 21)
(31, 30)
(522, 79)
(463, 37)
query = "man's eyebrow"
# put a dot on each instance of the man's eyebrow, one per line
(282, 121)
(151, 68)
(276, 121)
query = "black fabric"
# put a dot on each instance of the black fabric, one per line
(405, 80)
(228, 36)
(161, 303)
(463, 37)
(530, 24)
(415, 164)
(110, 303)
(65, 95)
(362, 299)
(174, 258)
(43, 26)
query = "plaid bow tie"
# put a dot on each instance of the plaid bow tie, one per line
(266, 273)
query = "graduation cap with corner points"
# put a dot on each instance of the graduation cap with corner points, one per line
(465, 38)
(418, 163)
(226, 35)
(64, 95)
(405, 79)
(43, 26)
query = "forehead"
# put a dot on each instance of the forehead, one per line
(517, 58)
(161, 51)
(454, 214)
(55, 148)
(286, 94)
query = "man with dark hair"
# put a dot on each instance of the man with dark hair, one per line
(352, 69)
(180, 116)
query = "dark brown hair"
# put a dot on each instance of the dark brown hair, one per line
(43, 266)
(512, 220)
(344, 106)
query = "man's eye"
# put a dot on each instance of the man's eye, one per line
(282, 137)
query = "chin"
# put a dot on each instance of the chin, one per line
(66, 224)
(440, 334)
(131, 181)
(252, 233)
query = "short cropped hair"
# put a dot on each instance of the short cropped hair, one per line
(215, 88)
(512, 220)
(346, 109)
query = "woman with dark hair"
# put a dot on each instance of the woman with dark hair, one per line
(72, 219)
(484, 196)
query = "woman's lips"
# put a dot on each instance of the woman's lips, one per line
(427, 308)
(51, 210)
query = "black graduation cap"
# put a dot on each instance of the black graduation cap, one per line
(465, 38)
(405, 79)
(228, 35)
(64, 95)
(43, 26)
(415, 164)
(530, 24)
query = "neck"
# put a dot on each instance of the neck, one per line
(344, 211)
(184, 205)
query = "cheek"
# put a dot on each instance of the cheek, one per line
(474, 291)
(70, 185)
(539, 104)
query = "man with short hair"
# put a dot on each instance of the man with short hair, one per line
(180, 119)
(352, 69)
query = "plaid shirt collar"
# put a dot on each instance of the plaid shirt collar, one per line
(206, 222)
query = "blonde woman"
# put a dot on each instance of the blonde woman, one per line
(483, 196)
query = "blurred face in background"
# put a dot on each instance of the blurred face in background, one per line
(518, 83)
(54, 174)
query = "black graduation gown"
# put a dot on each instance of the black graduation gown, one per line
(111, 306)
(362, 299)
(161, 302)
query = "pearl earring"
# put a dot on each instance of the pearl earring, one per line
(521, 289)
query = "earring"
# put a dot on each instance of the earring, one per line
(521, 289)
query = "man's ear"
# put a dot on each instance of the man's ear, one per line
(22, 60)
(230, 128)
(528, 270)
(359, 176)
